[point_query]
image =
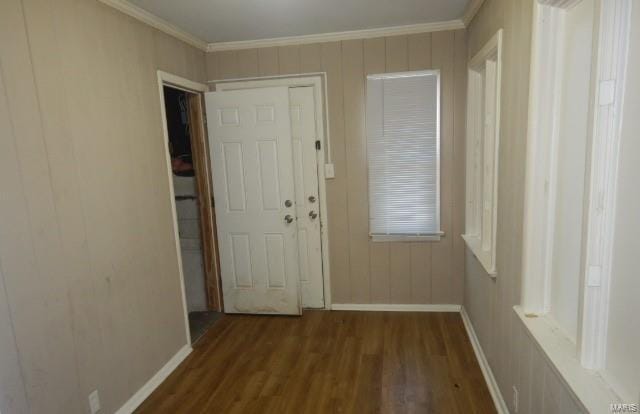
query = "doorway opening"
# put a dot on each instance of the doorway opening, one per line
(193, 205)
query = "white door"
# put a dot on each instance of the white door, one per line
(303, 131)
(253, 185)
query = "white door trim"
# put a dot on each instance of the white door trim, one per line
(168, 79)
(318, 82)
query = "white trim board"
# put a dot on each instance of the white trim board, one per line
(492, 384)
(614, 31)
(383, 307)
(153, 383)
(337, 36)
(156, 22)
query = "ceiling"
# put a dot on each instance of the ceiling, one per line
(235, 20)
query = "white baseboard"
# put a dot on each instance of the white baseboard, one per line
(155, 381)
(380, 307)
(499, 402)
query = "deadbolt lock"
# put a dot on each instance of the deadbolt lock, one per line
(288, 203)
(312, 199)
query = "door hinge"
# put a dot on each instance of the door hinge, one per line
(318, 147)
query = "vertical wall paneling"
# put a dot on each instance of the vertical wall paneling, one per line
(268, 61)
(289, 60)
(458, 163)
(310, 58)
(442, 58)
(248, 63)
(337, 188)
(355, 144)
(211, 66)
(375, 61)
(228, 64)
(87, 248)
(16, 238)
(48, 275)
(397, 56)
(419, 46)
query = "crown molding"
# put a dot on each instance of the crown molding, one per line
(164, 26)
(154, 21)
(471, 10)
(337, 36)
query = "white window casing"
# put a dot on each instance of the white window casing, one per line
(582, 365)
(403, 152)
(483, 141)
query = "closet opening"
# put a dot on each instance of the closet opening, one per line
(192, 196)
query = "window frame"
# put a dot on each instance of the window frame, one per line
(482, 220)
(576, 361)
(397, 237)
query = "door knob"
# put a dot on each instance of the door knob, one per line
(288, 219)
(288, 203)
(313, 215)
(312, 199)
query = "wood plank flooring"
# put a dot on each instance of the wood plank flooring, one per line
(328, 362)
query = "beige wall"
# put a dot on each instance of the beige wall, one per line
(90, 289)
(362, 271)
(514, 358)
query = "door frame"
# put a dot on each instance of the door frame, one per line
(212, 273)
(318, 82)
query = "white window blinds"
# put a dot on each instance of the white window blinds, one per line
(403, 148)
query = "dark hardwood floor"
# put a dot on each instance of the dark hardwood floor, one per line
(328, 362)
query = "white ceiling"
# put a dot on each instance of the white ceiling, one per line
(234, 20)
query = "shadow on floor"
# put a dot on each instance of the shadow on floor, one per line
(200, 322)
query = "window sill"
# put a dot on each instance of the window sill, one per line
(475, 245)
(405, 237)
(591, 390)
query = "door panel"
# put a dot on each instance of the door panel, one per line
(252, 168)
(234, 177)
(269, 181)
(303, 130)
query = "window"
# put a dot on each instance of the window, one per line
(483, 132)
(558, 162)
(577, 255)
(403, 145)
